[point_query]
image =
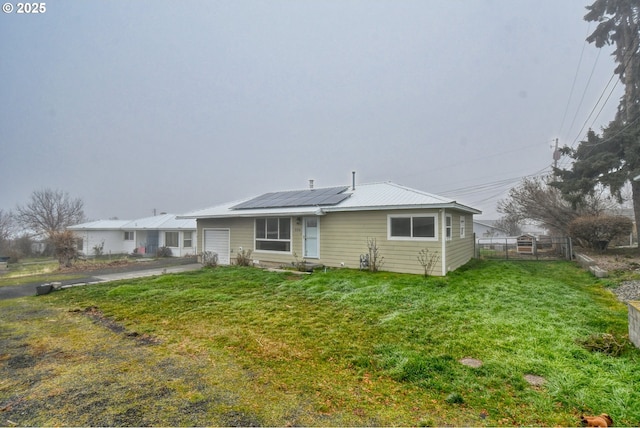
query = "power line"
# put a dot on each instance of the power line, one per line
(584, 92)
(575, 78)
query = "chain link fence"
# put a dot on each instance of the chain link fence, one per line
(526, 247)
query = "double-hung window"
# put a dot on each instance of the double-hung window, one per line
(273, 234)
(171, 239)
(449, 227)
(187, 239)
(406, 227)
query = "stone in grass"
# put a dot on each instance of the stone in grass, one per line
(535, 380)
(471, 362)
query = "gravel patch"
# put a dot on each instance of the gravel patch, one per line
(628, 290)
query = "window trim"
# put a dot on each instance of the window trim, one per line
(265, 239)
(463, 226)
(434, 238)
(448, 227)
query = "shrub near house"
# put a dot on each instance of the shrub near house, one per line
(598, 231)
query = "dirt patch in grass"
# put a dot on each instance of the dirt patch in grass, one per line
(99, 318)
(83, 369)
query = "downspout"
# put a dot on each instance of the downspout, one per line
(443, 237)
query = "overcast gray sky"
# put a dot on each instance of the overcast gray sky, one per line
(180, 105)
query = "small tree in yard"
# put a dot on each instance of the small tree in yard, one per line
(375, 259)
(243, 257)
(428, 260)
(597, 231)
(210, 259)
(98, 249)
(64, 244)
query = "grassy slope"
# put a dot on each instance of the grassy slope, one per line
(350, 348)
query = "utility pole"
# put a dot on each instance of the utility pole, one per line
(556, 156)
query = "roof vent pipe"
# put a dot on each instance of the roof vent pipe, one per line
(311, 184)
(353, 180)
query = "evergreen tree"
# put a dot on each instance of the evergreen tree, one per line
(612, 159)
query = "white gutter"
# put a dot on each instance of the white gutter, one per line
(454, 206)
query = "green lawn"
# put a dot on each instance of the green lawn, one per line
(241, 346)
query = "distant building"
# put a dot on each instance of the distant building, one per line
(142, 236)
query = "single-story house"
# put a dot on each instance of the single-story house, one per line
(143, 236)
(333, 226)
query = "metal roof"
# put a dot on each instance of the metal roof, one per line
(160, 222)
(100, 224)
(372, 196)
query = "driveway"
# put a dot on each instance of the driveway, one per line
(133, 270)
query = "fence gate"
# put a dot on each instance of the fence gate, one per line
(519, 248)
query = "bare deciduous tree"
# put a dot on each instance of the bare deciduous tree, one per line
(375, 259)
(50, 211)
(534, 199)
(6, 229)
(509, 224)
(428, 260)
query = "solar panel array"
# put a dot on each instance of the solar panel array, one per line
(296, 198)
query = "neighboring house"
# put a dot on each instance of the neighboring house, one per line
(533, 229)
(488, 229)
(143, 236)
(332, 226)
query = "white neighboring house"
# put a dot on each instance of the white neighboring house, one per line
(488, 229)
(143, 236)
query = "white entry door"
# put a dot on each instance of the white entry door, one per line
(311, 237)
(217, 241)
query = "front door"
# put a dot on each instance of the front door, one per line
(310, 237)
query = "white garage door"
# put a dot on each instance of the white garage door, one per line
(217, 241)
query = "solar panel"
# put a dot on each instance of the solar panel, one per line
(296, 198)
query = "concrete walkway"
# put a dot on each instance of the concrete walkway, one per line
(14, 291)
(147, 272)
